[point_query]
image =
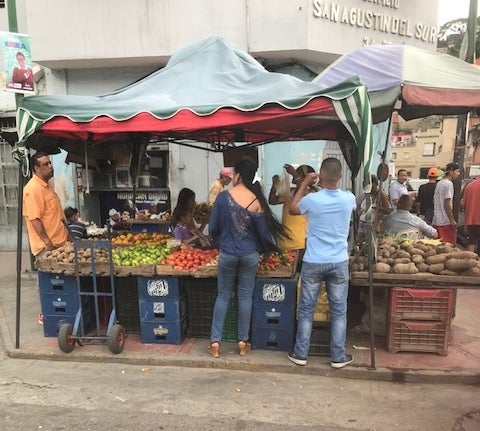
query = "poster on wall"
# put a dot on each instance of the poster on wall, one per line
(17, 63)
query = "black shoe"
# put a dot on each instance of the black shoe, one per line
(348, 359)
(295, 359)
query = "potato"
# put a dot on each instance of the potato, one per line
(404, 268)
(401, 253)
(402, 260)
(472, 272)
(463, 255)
(417, 258)
(381, 268)
(444, 249)
(460, 264)
(388, 260)
(438, 258)
(421, 246)
(356, 267)
(431, 252)
(436, 268)
(423, 267)
(447, 272)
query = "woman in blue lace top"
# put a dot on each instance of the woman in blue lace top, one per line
(244, 226)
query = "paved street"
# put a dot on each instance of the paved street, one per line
(50, 395)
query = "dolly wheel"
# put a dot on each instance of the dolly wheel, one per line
(116, 339)
(66, 342)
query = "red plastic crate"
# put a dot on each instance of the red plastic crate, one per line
(418, 336)
(421, 304)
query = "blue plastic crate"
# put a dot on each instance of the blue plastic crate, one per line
(277, 338)
(159, 288)
(275, 291)
(168, 310)
(56, 283)
(51, 324)
(163, 333)
(281, 316)
(59, 305)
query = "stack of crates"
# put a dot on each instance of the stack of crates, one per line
(201, 294)
(273, 315)
(126, 297)
(162, 306)
(60, 301)
(419, 320)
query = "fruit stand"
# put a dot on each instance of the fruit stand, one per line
(167, 293)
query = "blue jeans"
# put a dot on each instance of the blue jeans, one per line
(336, 280)
(234, 271)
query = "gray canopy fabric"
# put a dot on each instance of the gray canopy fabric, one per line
(426, 82)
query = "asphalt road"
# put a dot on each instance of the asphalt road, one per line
(49, 395)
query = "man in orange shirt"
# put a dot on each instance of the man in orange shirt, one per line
(42, 209)
(471, 204)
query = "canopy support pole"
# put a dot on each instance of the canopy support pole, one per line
(19, 255)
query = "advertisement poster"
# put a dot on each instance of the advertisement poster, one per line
(17, 63)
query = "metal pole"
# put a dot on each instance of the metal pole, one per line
(462, 124)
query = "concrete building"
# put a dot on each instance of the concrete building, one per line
(94, 47)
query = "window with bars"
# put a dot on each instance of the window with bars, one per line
(429, 149)
(8, 186)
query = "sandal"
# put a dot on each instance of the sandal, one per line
(244, 347)
(214, 349)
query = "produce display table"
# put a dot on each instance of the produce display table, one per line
(423, 280)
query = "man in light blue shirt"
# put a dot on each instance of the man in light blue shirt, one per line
(403, 219)
(398, 188)
(326, 259)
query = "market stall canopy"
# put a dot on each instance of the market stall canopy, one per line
(210, 95)
(426, 82)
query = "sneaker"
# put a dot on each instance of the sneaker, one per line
(295, 359)
(348, 359)
(40, 319)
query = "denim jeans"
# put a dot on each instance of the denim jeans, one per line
(234, 271)
(336, 279)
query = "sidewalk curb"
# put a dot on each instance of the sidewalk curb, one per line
(379, 374)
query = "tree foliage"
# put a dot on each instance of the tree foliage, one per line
(451, 34)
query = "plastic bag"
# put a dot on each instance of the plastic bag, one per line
(282, 186)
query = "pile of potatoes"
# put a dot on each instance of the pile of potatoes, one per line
(414, 257)
(65, 254)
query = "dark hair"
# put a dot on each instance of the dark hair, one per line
(332, 167)
(246, 168)
(402, 170)
(20, 53)
(303, 170)
(405, 202)
(35, 157)
(70, 212)
(182, 208)
(452, 167)
(374, 180)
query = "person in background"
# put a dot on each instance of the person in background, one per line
(403, 219)
(244, 226)
(181, 231)
(116, 221)
(218, 186)
(399, 187)
(380, 207)
(76, 228)
(443, 219)
(471, 204)
(329, 212)
(295, 225)
(425, 196)
(42, 208)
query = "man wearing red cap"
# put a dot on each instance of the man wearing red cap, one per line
(443, 219)
(225, 177)
(425, 196)
(471, 204)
